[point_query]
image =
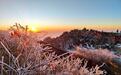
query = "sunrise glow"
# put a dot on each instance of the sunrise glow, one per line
(61, 15)
(33, 28)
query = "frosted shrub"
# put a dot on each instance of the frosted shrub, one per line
(96, 55)
(39, 63)
(26, 57)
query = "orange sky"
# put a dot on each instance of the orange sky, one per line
(69, 27)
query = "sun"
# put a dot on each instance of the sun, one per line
(33, 29)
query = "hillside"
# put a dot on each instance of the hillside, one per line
(91, 39)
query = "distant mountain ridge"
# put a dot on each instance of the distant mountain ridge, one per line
(85, 38)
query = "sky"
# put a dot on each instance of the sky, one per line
(62, 14)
